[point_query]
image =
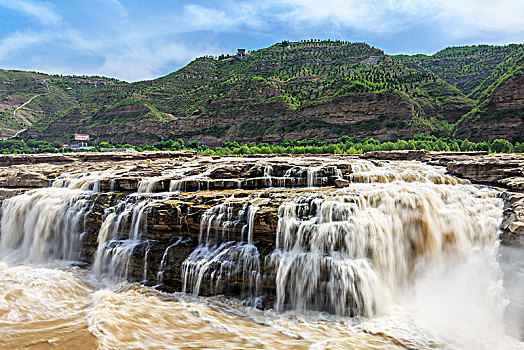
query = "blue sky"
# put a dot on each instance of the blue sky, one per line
(136, 39)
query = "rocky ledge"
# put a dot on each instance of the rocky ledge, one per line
(21, 172)
(504, 171)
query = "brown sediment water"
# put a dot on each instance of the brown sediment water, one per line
(52, 308)
(43, 308)
(403, 256)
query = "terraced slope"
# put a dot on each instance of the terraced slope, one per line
(34, 95)
(499, 112)
(471, 69)
(291, 90)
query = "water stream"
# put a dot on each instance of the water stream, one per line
(404, 257)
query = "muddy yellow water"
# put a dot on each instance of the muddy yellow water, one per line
(66, 308)
(57, 308)
(41, 308)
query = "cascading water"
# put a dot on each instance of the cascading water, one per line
(83, 181)
(117, 241)
(164, 261)
(409, 250)
(351, 253)
(44, 224)
(180, 184)
(221, 260)
(268, 170)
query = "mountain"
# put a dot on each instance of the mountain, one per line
(499, 111)
(471, 69)
(291, 90)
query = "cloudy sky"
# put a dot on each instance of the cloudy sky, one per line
(135, 39)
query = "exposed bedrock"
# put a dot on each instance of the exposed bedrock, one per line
(125, 171)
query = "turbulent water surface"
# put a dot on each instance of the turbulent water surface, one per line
(404, 257)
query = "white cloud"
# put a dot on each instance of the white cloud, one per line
(461, 19)
(42, 12)
(19, 41)
(466, 18)
(135, 54)
(351, 13)
(134, 58)
(229, 18)
(375, 16)
(206, 18)
(141, 61)
(135, 46)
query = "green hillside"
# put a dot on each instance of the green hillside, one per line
(499, 111)
(471, 69)
(48, 94)
(291, 90)
(276, 83)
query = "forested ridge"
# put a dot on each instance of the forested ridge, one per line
(322, 89)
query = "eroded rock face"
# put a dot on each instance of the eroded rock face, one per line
(501, 118)
(24, 179)
(397, 155)
(26, 171)
(513, 224)
(503, 170)
(349, 114)
(152, 171)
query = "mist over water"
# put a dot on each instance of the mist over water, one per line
(405, 257)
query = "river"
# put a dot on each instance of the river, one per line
(403, 257)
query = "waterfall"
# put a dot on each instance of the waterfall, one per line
(397, 171)
(251, 212)
(148, 185)
(268, 170)
(83, 181)
(176, 186)
(407, 250)
(179, 184)
(49, 223)
(115, 243)
(352, 252)
(45, 224)
(220, 261)
(222, 265)
(312, 174)
(348, 251)
(315, 174)
(164, 261)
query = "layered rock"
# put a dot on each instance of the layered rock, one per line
(126, 172)
(502, 170)
(513, 224)
(501, 115)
